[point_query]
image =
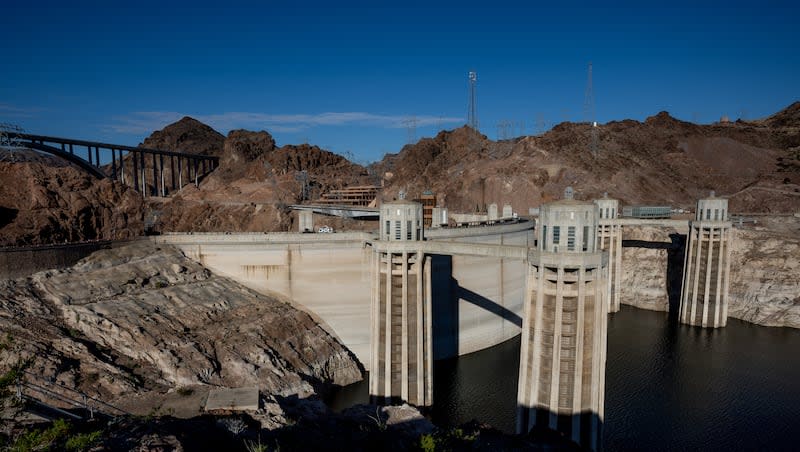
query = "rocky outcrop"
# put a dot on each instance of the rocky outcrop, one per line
(46, 200)
(645, 257)
(253, 186)
(140, 318)
(765, 278)
(244, 146)
(187, 135)
(765, 273)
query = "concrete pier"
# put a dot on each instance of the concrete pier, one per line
(609, 239)
(402, 346)
(563, 351)
(706, 270)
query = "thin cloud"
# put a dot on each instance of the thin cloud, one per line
(147, 121)
(19, 112)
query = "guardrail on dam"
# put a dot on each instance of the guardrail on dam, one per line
(478, 279)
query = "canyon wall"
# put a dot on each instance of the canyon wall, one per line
(765, 273)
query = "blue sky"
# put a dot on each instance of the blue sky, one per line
(347, 76)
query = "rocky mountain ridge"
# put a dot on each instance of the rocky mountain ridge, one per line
(661, 161)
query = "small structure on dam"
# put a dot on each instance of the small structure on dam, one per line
(609, 238)
(706, 271)
(305, 221)
(564, 331)
(402, 332)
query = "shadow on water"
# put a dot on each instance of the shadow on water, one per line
(480, 385)
(587, 425)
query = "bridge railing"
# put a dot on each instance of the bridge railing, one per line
(152, 172)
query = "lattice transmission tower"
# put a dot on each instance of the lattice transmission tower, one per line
(472, 109)
(302, 177)
(589, 113)
(411, 129)
(9, 142)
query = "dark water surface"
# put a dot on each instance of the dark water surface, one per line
(668, 386)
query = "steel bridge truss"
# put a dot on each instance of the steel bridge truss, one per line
(151, 172)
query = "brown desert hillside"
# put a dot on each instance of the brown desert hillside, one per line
(659, 161)
(255, 183)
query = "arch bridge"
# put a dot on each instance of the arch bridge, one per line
(151, 172)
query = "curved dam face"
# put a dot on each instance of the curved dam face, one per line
(481, 305)
(477, 301)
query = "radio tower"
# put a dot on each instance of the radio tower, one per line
(589, 113)
(472, 113)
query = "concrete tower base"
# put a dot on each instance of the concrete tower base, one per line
(563, 353)
(706, 275)
(706, 270)
(402, 347)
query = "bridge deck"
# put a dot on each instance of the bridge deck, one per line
(155, 174)
(340, 210)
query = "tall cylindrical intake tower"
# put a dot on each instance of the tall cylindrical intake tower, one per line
(402, 348)
(706, 269)
(563, 351)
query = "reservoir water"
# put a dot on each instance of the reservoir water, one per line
(668, 386)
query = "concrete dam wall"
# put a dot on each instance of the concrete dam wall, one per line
(477, 301)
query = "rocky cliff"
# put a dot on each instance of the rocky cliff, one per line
(139, 318)
(45, 200)
(765, 272)
(765, 278)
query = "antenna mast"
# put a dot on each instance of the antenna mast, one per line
(472, 112)
(589, 112)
